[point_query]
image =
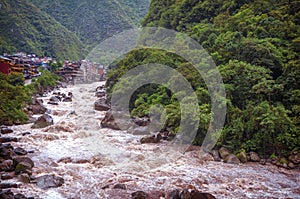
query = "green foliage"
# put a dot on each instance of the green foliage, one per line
(256, 47)
(92, 20)
(25, 28)
(13, 98)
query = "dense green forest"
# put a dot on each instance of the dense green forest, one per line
(25, 28)
(255, 45)
(64, 29)
(92, 20)
(15, 95)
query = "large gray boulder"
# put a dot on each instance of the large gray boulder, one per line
(43, 121)
(100, 105)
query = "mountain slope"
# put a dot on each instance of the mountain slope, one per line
(25, 28)
(94, 20)
(255, 44)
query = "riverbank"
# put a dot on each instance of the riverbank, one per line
(103, 163)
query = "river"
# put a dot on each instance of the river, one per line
(90, 158)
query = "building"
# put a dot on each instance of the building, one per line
(5, 65)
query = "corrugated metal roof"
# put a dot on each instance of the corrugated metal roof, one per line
(5, 58)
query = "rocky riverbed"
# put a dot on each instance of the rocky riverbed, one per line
(74, 157)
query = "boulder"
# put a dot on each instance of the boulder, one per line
(24, 177)
(174, 194)
(43, 121)
(141, 131)
(100, 94)
(231, 159)
(100, 105)
(19, 159)
(6, 165)
(6, 130)
(109, 122)
(49, 181)
(151, 139)
(67, 99)
(120, 186)
(20, 151)
(223, 152)
(253, 157)
(185, 194)
(55, 99)
(37, 109)
(145, 121)
(200, 195)
(242, 156)
(23, 167)
(295, 158)
(139, 195)
(216, 155)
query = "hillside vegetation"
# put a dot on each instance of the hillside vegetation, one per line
(64, 29)
(255, 45)
(25, 28)
(93, 20)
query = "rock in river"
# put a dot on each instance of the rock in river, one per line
(43, 121)
(49, 181)
(100, 105)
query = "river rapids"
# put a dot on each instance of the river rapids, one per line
(91, 158)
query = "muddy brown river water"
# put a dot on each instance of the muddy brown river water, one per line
(90, 158)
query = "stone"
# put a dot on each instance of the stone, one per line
(109, 122)
(263, 162)
(55, 99)
(120, 186)
(23, 167)
(20, 196)
(7, 176)
(174, 194)
(200, 195)
(43, 121)
(6, 165)
(49, 181)
(185, 194)
(291, 165)
(145, 121)
(139, 195)
(8, 139)
(253, 157)
(223, 152)
(20, 151)
(295, 158)
(151, 139)
(37, 109)
(141, 131)
(242, 156)
(8, 186)
(216, 155)
(6, 130)
(100, 94)
(6, 194)
(53, 103)
(67, 99)
(100, 105)
(231, 159)
(19, 159)
(24, 178)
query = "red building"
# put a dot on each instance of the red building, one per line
(5, 65)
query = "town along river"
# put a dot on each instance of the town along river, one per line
(103, 163)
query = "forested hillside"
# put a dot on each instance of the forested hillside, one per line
(25, 28)
(255, 45)
(64, 29)
(93, 20)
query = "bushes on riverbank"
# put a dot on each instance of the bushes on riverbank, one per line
(14, 94)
